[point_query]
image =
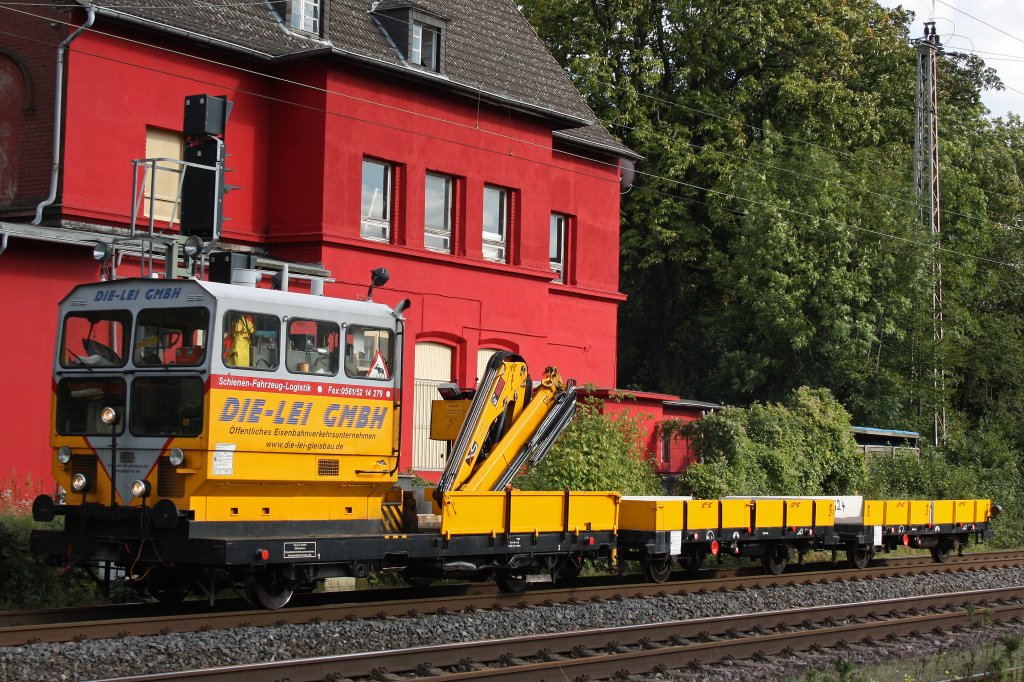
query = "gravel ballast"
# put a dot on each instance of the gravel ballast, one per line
(106, 658)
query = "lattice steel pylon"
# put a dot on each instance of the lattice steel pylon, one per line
(926, 184)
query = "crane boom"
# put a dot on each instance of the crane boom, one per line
(506, 426)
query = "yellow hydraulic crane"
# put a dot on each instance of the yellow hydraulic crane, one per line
(508, 424)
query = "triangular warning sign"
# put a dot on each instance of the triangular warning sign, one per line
(379, 368)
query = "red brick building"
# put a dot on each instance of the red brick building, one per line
(437, 138)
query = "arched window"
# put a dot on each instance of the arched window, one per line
(13, 101)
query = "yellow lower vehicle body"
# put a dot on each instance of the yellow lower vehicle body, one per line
(657, 531)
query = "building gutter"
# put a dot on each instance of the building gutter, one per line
(183, 33)
(58, 106)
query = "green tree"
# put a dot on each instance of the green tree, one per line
(596, 452)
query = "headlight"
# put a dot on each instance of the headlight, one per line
(109, 415)
(64, 454)
(79, 483)
(101, 252)
(141, 488)
(176, 457)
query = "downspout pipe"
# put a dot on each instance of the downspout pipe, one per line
(58, 105)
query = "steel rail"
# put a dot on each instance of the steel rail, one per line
(405, 604)
(606, 652)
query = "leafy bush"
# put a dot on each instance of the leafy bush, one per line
(26, 582)
(596, 452)
(804, 447)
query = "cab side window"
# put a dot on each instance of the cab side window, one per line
(369, 353)
(251, 340)
(313, 347)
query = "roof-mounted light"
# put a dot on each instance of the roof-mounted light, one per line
(193, 246)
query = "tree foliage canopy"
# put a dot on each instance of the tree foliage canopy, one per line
(773, 238)
(802, 447)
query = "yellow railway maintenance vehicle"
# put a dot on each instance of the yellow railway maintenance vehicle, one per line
(209, 434)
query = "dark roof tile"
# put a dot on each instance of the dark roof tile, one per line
(491, 50)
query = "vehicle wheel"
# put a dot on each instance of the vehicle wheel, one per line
(693, 561)
(268, 591)
(940, 552)
(166, 589)
(169, 594)
(418, 580)
(859, 557)
(775, 558)
(657, 570)
(570, 568)
(511, 583)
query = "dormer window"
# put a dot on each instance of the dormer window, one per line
(425, 50)
(417, 35)
(305, 15)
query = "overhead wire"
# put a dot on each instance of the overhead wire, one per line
(510, 138)
(991, 26)
(884, 195)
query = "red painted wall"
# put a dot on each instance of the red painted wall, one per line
(34, 277)
(296, 145)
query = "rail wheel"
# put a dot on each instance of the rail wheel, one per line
(417, 580)
(693, 561)
(570, 568)
(509, 582)
(775, 558)
(941, 551)
(657, 569)
(166, 589)
(859, 557)
(269, 591)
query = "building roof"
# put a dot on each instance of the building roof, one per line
(491, 51)
(684, 402)
(892, 433)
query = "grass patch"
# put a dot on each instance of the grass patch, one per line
(999, 658)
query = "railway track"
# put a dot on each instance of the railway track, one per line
(620, 651)
(61, 625)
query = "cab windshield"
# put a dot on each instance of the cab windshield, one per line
(96, 338)
(171, 336)
(80, 400)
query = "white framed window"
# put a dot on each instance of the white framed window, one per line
(557, 244)
(437, 213)
(425, 46)
(162, 178)
(375, 221)
(305, 15)
(495, 224)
